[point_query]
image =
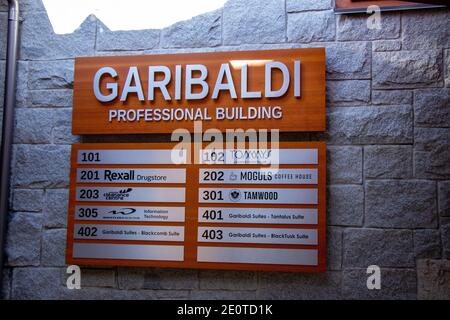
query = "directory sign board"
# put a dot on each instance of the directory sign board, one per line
(147, 204)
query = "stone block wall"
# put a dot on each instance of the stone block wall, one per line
(388, 120)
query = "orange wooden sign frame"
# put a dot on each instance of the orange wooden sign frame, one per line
(298, 114)
(191, 223)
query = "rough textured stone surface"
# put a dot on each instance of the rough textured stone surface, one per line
(23, 243)
(55, 208)
(385, 162)
(6, 284)
(344, 165)
(39, 166)
(350, 60)
(63, 135)
(432, 107)
(50, 98)
(433, 279)
(431, 153)
(227, 280)
(396, 284)
(200, 31)
(3, 35)
(246, 21)
(27, 200)
(334, 248)
(308, 27)
(286, 286)
(133, 278)
(354, 27)
(384, 248)
(370, 125)
(307, 5)
(392, 97)
(2, 81)
(50, 74)
(444, 198)
(428, 30)
(22, 84)
(405, 69)
(386, 45)
(36, 125)
(40, 42)
(348, 92)
(427, 244)
(447, 68)
(345, 205)
(53, 248)
(401, 204)
(108, 40)
(445, 236)
(103, 278)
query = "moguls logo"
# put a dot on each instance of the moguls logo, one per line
(123, 211)
(235, 195)
(118, 195)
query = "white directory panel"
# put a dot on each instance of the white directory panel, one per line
(257, 235)
(258, 195)
(306, 257)
(258, 176)
(127, 251)
(130, 194)
(130, 213)
(165, 156)
(258, 215)
(127, 232)
(115, 175)
(259, 156)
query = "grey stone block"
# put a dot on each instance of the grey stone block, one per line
(6, 284)
(392, 97)
(63, 135)
(50, 98)
(219, 295)
(227, 280)
(35, 125)
(53, 248)
(344, 165)
(41, 166)
(22, 84)
(401, 204)
(3, 34)
(39, 42)
(432, 107)
(396, 284)
(254, 21)
(387, 162)
(447, 68)
(426, 30)
(288, 286)
(367, 125)
(27, 200)
(354, 27)
(431, 153)
(433, 279)
(36, 283)
(386, 45)
(334, 248)
(384, 248)
(348, 92)
(444, 198)
(108, 40)
(407, 69)
(23, 243)
(307, 5)
(55, 208)
(93, 277)
(2, 81)
(201, 31)
(172, 279)
(345, 205)
(348, 60)
(305, 27)
(427, 244)
(50, 74)
(445, 236)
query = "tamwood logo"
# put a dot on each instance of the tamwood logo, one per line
(118, 195)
